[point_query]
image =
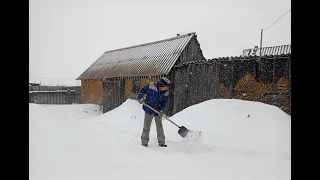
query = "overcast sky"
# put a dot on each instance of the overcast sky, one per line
(67, 36)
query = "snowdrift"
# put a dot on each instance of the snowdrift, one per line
(241, 140)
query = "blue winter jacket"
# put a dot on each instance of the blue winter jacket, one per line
(154, 98)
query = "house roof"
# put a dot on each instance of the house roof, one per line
(150, 59)
(34, 84)
(274, 50)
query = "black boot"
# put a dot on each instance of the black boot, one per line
(145, 145)
(162, 145)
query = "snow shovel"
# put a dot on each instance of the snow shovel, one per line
(183, 131)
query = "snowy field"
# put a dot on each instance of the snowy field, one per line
(241, 140)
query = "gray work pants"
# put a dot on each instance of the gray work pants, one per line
(146, 129)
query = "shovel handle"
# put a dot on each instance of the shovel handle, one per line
(159, 113)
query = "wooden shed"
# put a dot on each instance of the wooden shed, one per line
(121, 72)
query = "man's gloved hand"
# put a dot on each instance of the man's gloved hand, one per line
(140, 101)
(161, 113)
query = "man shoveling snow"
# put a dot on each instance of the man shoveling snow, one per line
(154, 98)
(155, 94)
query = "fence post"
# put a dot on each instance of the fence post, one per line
(233, 80)
(289, 79)
(274, 72)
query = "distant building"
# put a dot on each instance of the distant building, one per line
(118, 73)
(267, 51)
(34, 84)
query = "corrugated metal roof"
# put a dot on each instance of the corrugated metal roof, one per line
(155, 58)
(274, 50)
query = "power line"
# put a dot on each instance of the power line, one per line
(277, 20)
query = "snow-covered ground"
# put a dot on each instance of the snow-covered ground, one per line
(241, 140)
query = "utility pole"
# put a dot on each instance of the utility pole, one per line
(258, 64)
(261, 44)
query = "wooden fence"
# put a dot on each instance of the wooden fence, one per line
(55, 94)
(267, 80)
